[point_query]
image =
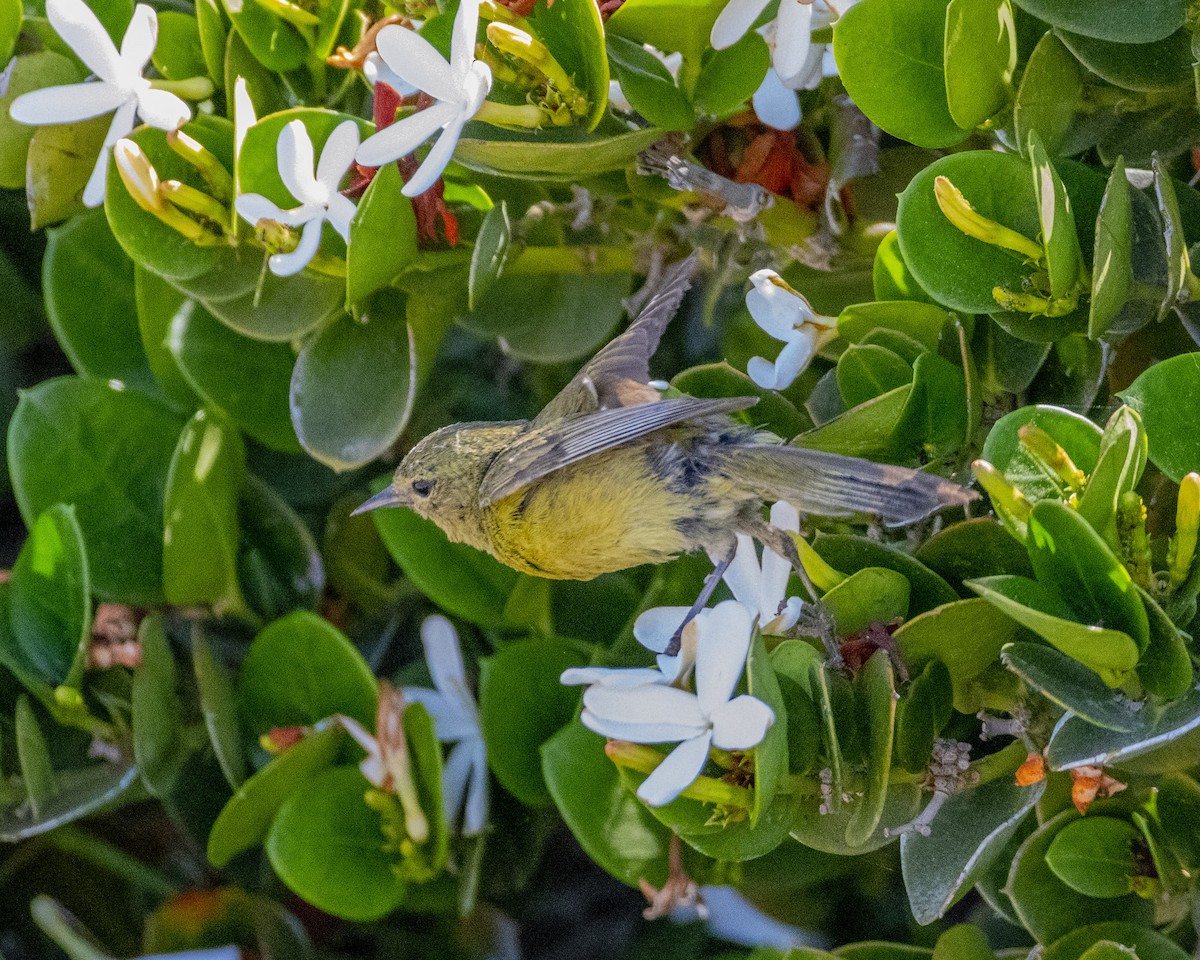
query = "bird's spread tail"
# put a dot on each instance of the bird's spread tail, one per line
(828, 484)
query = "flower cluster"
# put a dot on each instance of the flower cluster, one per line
(786, 315)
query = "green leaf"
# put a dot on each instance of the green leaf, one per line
(1123, 449)
(1073, 560)
(157, 711)
(1070, 685)
(327, 845)
(280, 567)
(1165, 668)
(1112, 278)
(1064, 259)
(1049, 95)
(212, 26)
(669, 25)
(33, 756)
(219, 706)
(938, 410)
(383, 236)
(49, 601)
(922, 713)
(891, 279)
(866, 371)
(850, 554)
(890, 57)
(1096, 856)
(107, 452)
(58, 166)
(493, 247)
(1164, 64)
(869, 430)
(971, 828)
(200, 519)
(648, 85)
(525, 673)
(158, 303)
(276, 44)
(178, 55)
(1167, 396)
(1006, 364)
(1077, 435)
(547, 160)
(964, 942)
(80, 791)
(731, 76)
(875, 693)
(1045, 905)
(1110, 20)
(980, 55)
(868, 596)
(461, 580)
(771, 761)
(1178, 265)
(923, 322)
(610, 823)
(10, 27)
(30, 71)
(245, 819)
(247, 380)
(302, 669)
(972, 549)
(773, 411)
(1146, 942)
(88, 282)
(354, 384)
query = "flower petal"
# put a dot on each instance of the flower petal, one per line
(655, 627)
(435, 161)
(762, 372)
(141, 37)
(650, 704)
(611, 676)
(677, 772)
(793, 37)
(162, 109)
(744, 576)
(404, 136)
(376, 71)
(243, 114)
(774, 308)
(784, 516)
(776, 104)
(475, 813)
(733, 22)
(741, 723)
(456, 771)
(294, 151)
(341, 211)
(794, 358)
(721, 651)
(415, 61)
(443, 654)
(450, 721)
(122, 123)
(337, 155)
(637, 732)
(66, 104)
(289, 264)
(85, 34)
(462, 43)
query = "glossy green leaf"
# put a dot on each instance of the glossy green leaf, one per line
(493, 247)
(280, 566)
(525, 673)
(327, 845)
(876, 695)
(731, 76)
(107, 452)
(609, 822)
(200, 518)
(548, 160)
(921, 321)
(30, 71)
(890, 57)
(302, 669)
(649, 86)
(971, 549)
(88, 282)
(1165, 668)
(1050, 93)
(866, 371)
(1109, 19)
(922, 713)
(1123, 451)
(158, 303)
(1164, 64)
(891, 279)
(1077, 435)
(80, 791)
(57, 168)
(1046, 906)
(963, 942)
(669, 25)
(771, 760)
(157, 711)
(773, 411)
(246, 380)
(383, 236)
(49, 602)
(244, 821)
(1064, 259)
(1145, 942)
(873, 595)
(1006, 364)
(276, 44)
(218, 703)
(1096, 856)
(971, 827)
(354, 384)
(868, 430)
(212, 25)
(33, 757)
(1178, 263)
(1167, 396)
(980, 55)
(852, 553)
(178, 55)
(938, 409)
(1070, 685)
(1112, 278)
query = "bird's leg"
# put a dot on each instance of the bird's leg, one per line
(815, 614)
(706, 591)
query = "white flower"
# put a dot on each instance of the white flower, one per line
(672, 61)
(459, 86)
(656, 713)
(786, 316)
(792, 31)
(121, 86)
(318, 196)
(456, 721)
(376, 71)
(775, 103)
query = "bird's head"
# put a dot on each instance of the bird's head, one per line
(439, 478)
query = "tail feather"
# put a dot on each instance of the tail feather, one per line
(831, 485)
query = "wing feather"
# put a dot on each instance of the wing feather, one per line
(543, 450)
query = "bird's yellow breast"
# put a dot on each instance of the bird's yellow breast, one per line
(605, 513)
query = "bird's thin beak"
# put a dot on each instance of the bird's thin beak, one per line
(387, 497)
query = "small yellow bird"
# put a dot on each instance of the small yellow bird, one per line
(611, 475)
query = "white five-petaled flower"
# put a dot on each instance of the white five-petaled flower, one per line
(456, 721)
(786, 316)
(710, 717)
(318, 195)
(459, 87)
(120, 85)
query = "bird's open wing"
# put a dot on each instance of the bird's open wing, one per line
(618, 374)
(542, 450)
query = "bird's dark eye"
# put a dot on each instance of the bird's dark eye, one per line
(422, 487)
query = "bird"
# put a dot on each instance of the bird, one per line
(611, 474)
